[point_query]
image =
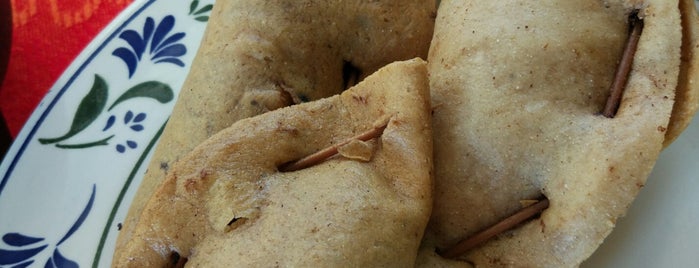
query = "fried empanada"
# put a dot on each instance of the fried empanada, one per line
(517, 89)
(226, 204)
(258, 56)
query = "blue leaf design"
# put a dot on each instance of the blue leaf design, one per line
(164, 27)
(175, 50)
(128, 116)
(120, 148)
(16, 256)
(131, 144)
(138, 44)
(81, 218)
(50, 264)
(170, 40)
(135, 41)
(139, 118)
(137, 127)
(24, 264)
(175, 61)
(62, 262)
(110, 122)
(19, 240)
(148, 30)
(128, 57)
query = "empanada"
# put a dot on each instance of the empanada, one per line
(518, 88)
(226, 204)
(258, 56)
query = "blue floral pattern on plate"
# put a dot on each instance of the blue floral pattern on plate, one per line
(93, 105)
(25, 247)
(164, 48)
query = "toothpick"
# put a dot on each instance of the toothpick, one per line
(328, 152)
(622, 73)
(467, 244)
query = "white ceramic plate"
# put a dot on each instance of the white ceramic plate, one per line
(68, 179)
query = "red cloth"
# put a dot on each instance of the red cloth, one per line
(46, 36)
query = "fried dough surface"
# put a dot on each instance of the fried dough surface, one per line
(687, 93)
(226, 204)
(258, 56)
(517, 88)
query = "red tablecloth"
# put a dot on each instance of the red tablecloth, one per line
(46, 36)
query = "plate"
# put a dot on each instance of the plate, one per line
(68, 179)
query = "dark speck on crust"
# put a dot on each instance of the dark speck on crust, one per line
(164, 166)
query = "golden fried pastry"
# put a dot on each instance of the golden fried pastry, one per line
(227, 204)
(687, 93)
(518, 89)
(258, 56)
